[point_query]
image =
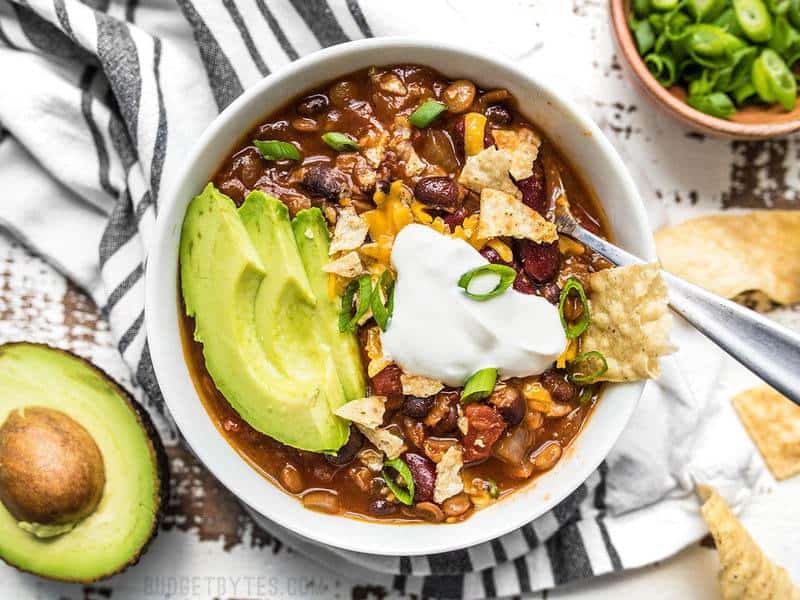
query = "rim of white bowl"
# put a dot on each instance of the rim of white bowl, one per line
(161, 310)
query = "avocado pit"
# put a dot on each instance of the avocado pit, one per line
(51, 471)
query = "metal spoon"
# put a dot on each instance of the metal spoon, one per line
(769, 350)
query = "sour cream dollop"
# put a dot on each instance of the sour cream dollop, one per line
(439, 332)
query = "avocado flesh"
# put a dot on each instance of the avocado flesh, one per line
(114, 535)
(256, 315)
(311, 235)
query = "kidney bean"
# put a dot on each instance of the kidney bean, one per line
(441, 193)
(313, 105)
(485, 427)
(387, 382)
(381, 508)
(457, 134)
(491, 255)
(416, 407)
(534, 189)
(347, 452)
(509, 403)
(561, 390)
(550, 292)
(498, 115)
(456, 218)
(539, 261)
(423, 472)
(324, 181)
(522, 283)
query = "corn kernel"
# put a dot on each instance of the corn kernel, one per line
(418, 209)
(474, 129)
(569, 247)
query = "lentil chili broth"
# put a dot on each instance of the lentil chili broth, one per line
(351, 104)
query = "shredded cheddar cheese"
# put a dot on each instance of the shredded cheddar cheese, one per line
(569, 353)
(392, 211)
(502, 249)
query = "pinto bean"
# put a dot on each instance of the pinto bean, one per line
(509, 403)
(429, 512)
(313, 105)
(561, 390)
(414, 431)
(381, 508)
(539, 261)
(443, 417)
(485, 427)
(416, 407)
(324, 181)
(456, 505)
(441, 193)
(534, 189)
(424, 474)
(550, 292)
(348, 452)
(459, 95)
(323, 501)
(387, 382)
(291, 479)
(547, 457)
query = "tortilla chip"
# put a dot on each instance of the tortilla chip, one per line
(630, 321)
(524, 148)
(745, 573)
(347, 266)
(364, 411)
(503, 215)
(420, 386)
(448, 475)
(351, 231)
(773, 423)
(384, 440)
(731, 254)
(489, 169)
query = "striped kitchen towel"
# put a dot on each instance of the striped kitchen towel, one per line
(101, 100)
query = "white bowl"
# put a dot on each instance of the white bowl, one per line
(576, 136)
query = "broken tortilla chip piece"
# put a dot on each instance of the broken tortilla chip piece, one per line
(351, 231)
(420, 386)
(504, 215)
(773, 423)
(630, 321)
(364, 411)
(489, 169)
(384, 440)
(745, 573)
(448, 475)
(523, 145)
(347, 266)
(730, 254)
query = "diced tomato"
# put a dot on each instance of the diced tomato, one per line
(485, 428)
(387, 382)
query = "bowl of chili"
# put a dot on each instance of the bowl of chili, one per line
(580, 142)
(720, 67)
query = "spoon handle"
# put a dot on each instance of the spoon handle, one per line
(769, 350)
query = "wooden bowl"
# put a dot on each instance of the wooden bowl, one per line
(749, 123)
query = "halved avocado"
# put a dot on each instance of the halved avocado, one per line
(83, 474)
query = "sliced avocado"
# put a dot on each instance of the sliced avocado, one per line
(256, 316)
(313, 241)
(83, 475)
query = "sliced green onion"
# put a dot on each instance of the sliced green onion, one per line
(340, 141)
(645, 36)
(575, 329)
(494, 492)
(382, 308)
(427, 113)
(586, 395)
(585, 359)
(717, 104)
(277, 150)
(505, 273)
(404, 495)
(348, 321)
(479, 386)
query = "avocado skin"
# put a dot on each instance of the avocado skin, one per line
(158, 455)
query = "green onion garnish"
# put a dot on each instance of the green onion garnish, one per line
(427, 113)
(405, 495)
(506, 274)
(340, 141)
(494, 492)
(479, 386)
(585, 359)
(586, 395)
(577, 328)
(277, 150)
(382, 307)
(347, 319)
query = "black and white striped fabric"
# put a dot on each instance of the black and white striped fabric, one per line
(99, 102)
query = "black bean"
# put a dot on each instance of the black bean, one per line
(509, 403)
(324, 181)
(313, 105)
(416, 407)
(561, 390)
(381, 508)
(498, 115)
(347, 452)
